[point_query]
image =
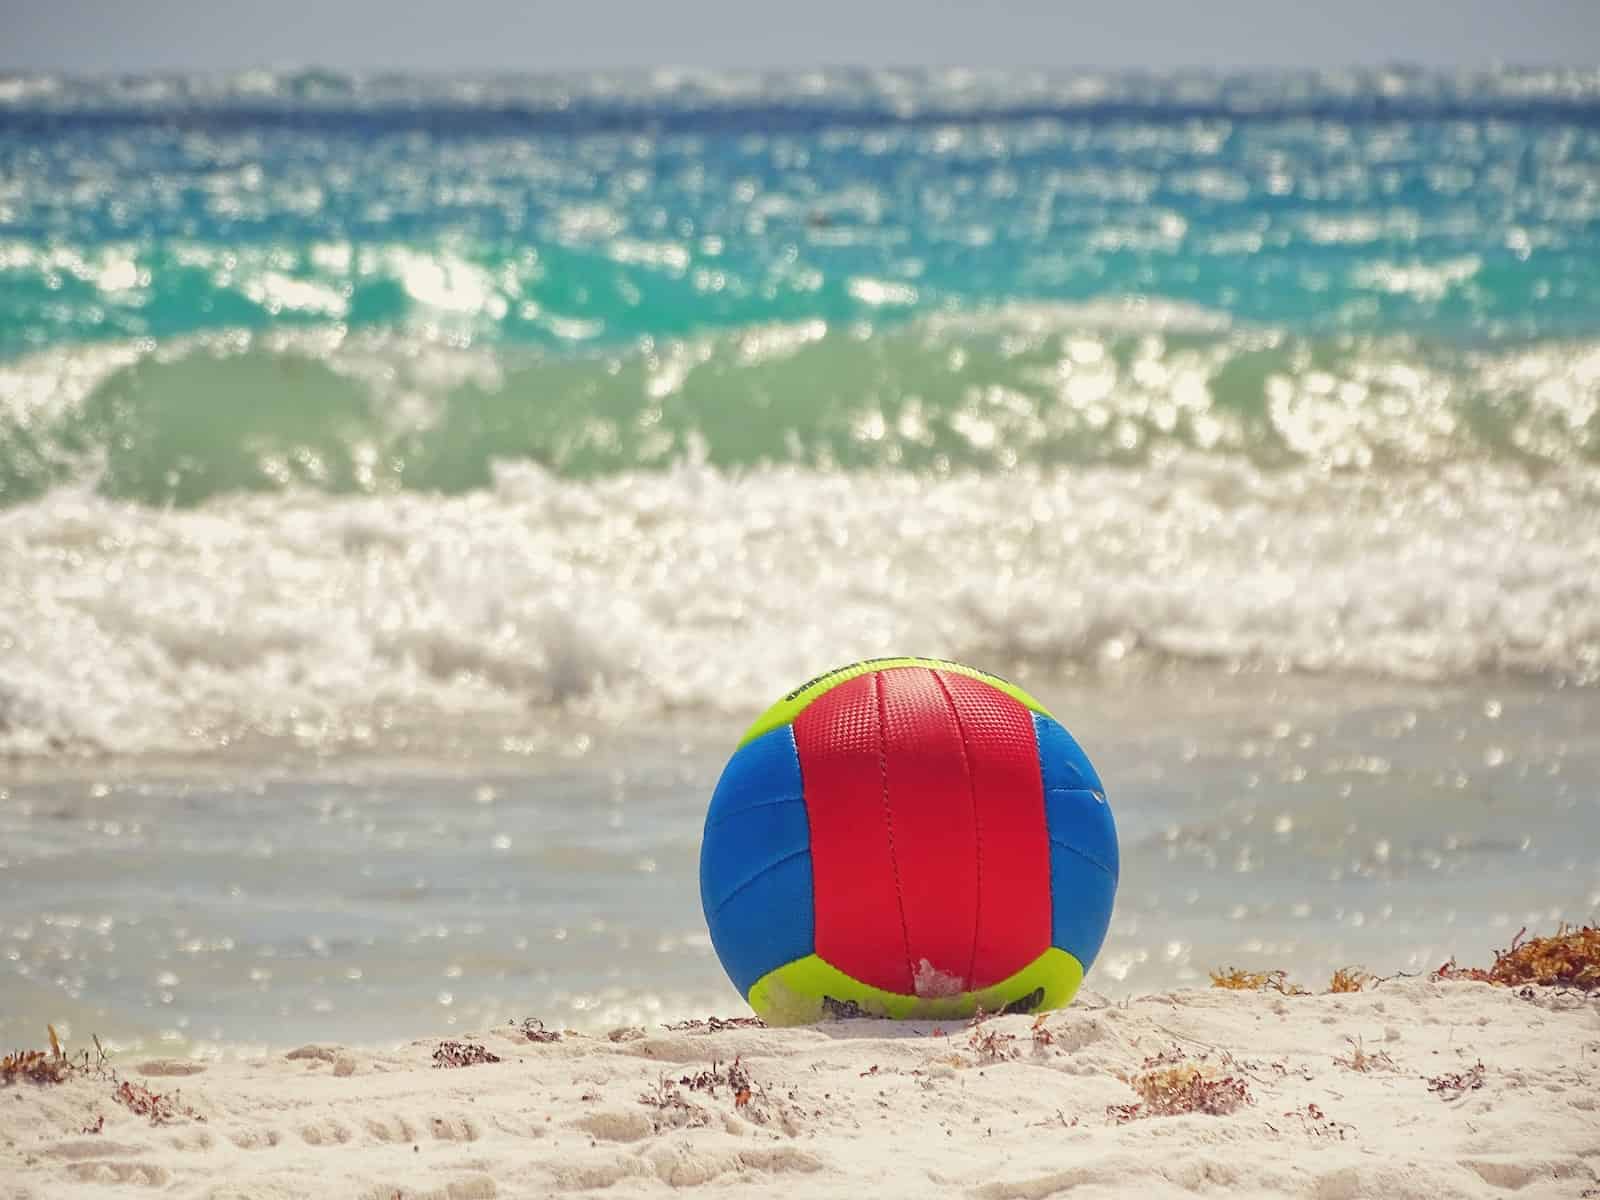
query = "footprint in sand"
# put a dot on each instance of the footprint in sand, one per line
(391, 1129)
(453, 1129)
(326, 1132)
(139, 1174)
(255, 1139)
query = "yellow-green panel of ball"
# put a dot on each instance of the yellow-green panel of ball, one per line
(810, 989)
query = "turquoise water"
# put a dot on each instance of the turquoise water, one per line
(216, 284)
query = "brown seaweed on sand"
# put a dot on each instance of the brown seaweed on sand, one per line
(161, 1107)
(41, 1067)
(1349, 979)
(1237, 980)
(34, 1066)
(462, 1054)
(533, 1029)
(1457, 1084)
(1173, 1091)
(1568, 958)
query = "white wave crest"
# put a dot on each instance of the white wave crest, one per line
(330, 620)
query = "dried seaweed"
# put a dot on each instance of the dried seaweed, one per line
(668, 1098)
(1172, 1091)
(672, 1107)
(533, 1029)
(37, 1066)
(34, 1066)
(1318, 1123)
(462, 1054)
(1349, 979)
(734, 1077)
(1457, 1084)
(1359, 1059)
(992, 1045)
(1568, 958)
(161, 1107)
(1170, 1057)
(1238, 980)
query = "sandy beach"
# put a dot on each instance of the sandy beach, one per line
(1412, 1088)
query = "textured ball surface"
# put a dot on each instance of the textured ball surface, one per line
(907, 838)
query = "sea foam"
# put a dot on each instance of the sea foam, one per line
(331, 620)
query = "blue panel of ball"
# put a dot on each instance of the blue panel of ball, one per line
(1063, 761)
(1083, 843)
(755, 861)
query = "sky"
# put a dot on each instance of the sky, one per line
(131, 36)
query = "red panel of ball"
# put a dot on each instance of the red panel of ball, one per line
(930, 856)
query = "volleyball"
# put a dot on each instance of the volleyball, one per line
(907, 838)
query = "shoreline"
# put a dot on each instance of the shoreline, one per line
(1412, 1088)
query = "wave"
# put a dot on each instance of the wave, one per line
(348, 621)
(1122, 382)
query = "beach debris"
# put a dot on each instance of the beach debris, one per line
(463, 1054)
(1360, 1059)
(1169, 1057)
(1173, 1091)
(1059, 1120)
(1318, 1123)
(1238, 980)
(734, 1077)
(56, 1065)
(1457, 1084)
(533, 1029)
(1043, 1039)
(161, 1107)
(673, 1109)
(715, 1024)
(1569, 958)
(35, 1066)
(990, 1045)
(1350, 979)
(99, 1125)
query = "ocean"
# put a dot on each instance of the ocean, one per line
(411, 486)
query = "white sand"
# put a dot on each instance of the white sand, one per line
(875, 1109)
